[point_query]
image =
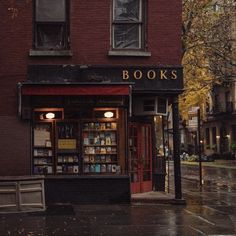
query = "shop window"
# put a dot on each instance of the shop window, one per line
(128, 24)
(233, 130)
(149, 105)
(214, 135)
(51, 26)
(207, 136)
(216, 103)
(162, 105)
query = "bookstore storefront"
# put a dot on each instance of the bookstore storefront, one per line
(79, 135)
(84, 130)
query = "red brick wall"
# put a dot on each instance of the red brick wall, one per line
(14, 146)
(90, 43)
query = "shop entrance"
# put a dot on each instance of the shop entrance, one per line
(140, 157)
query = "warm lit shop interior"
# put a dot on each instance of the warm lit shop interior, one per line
(82, 140)
(161, 135)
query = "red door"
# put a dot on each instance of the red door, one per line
(140, 157)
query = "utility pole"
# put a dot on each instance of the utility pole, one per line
(199, 146)
(176, 151)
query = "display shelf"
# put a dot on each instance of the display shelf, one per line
(100, 149)
(43, 148)
(67, 152)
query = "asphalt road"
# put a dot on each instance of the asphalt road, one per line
(210, 210)
(214, 202)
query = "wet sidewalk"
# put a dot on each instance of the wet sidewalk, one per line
(228, 164)
(156, 197)
(219, 172)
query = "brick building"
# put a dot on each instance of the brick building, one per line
(77, 60)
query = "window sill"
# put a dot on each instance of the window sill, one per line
(50, 53)
(129, 53)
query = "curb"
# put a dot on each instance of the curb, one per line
(158, 201)
(156, 198)
(224, 183)
(209, 164)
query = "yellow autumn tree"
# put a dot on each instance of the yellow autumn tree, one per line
(205, 44)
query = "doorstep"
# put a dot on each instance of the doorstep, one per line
(156, 197)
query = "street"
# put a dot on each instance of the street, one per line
(215, 202)
(210, 210)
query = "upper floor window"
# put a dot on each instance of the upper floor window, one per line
(128, 24)
(214, 135)
(207, 136)
(51, 25)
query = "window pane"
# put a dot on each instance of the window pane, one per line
(214, 135)
(50, 36)
(50, 10)
(127, 10)
(127, 36)
(149, 105)
(207, 136)
(162, 105)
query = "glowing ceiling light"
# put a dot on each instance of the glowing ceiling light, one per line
(50, 115)
(108, 114)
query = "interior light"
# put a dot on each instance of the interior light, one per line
(50, 115)
(108, 114)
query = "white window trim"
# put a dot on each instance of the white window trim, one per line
(141, 46)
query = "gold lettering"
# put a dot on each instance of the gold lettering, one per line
(138, 74)
(163, 74)
(125, 74)
(173, 74)
(151, 74)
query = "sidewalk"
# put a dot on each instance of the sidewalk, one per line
(228, 164)
(219, 172)
(156, 197)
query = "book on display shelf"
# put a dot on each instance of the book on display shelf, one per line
(91, 159)
(97, 168)
(103, 158)
(75, 169)
(100, 150)
(97, 158)
(109, 168)
(113, 168)
(86, 158)
(86, 168)
(103, 168)
(92, 168)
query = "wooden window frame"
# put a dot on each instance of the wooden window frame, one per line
(65, 27)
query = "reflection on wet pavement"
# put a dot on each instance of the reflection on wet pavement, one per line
(210, 210)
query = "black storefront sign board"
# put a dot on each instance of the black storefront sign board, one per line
(143, 78)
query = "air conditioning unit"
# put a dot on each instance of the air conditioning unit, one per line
(150, 106)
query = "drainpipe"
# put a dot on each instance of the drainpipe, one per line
(19, 85)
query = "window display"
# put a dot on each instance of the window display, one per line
(100, 152)
(67, 153)
(58, 148)
(42, 148)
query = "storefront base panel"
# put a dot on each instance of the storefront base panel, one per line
(87, 190)
(21, 194)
